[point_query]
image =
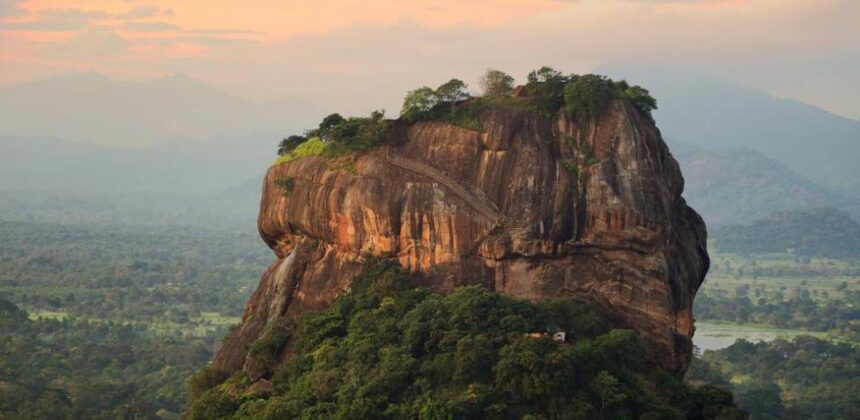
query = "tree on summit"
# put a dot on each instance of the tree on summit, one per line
(452, 91)
(327, 125)
(418, 102)
(496, 83)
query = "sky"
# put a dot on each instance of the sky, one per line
(362, 55)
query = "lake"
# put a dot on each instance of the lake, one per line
(718, 335)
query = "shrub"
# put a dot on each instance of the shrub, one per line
(204, 380)
(288, 144)
(311, 147)
(286, 184)
(642, 99)
(268, 347)
(337, 136)
(212, 404)
(587, 96)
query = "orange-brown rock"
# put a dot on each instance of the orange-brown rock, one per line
(529, 207)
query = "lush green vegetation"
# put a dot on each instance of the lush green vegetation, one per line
(806, 378)
(311, 147)
(547, 92)
(497, 83)
(797, 310)
(819, 295)
(74, 369)
(289, 144)
(823, 232)
(390, 350)
(335, 137)
(114, 319)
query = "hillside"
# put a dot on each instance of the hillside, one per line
(821, 232)
(738, 186)
(92, 108)
(717, 115)
(177, 165)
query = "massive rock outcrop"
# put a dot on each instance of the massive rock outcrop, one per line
(529, 207)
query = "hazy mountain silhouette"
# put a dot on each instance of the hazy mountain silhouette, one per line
(92, 108)
(738, 186)
(177, 165)
(745, 154)
(713, 114)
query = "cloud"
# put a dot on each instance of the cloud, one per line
(92, 43)
(212, 40)
(138, 26)
(140, 12)
(9, 8)
(225, 32)
(769, 43)
(71, 19)
(797, 48)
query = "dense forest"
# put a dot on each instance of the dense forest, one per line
(821, 232)
(74, 369)
(806, 378)
(388, 349)
(797, 309)
(107, 321)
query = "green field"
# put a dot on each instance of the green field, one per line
(773, 273)
(763, 297)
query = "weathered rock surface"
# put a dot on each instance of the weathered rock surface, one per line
(529, 207)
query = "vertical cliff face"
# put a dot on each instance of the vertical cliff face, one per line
(529, 207)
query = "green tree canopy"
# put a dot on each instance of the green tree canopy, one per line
(328, 124)
(587, 96)
(496, 83)
(418, 102)
(288, 144)
(452, 91)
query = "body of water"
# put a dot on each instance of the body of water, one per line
(715, 336)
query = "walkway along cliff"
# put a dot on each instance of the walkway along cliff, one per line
(530, 207)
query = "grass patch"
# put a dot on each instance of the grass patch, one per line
(55, 315)
(312, 147)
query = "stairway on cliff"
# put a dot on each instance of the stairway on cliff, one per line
(471, 195)
(504, 226)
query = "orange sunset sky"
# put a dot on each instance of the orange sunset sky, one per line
(341, 51)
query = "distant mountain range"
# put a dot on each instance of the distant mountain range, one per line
(92, 108)
(821, 232)
(742, 185)
(744, 153)
(43, 164)
(717, 115)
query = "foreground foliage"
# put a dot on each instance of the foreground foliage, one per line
(390, 350)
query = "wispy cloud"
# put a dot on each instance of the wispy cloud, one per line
(343, 53)
(11, 8)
